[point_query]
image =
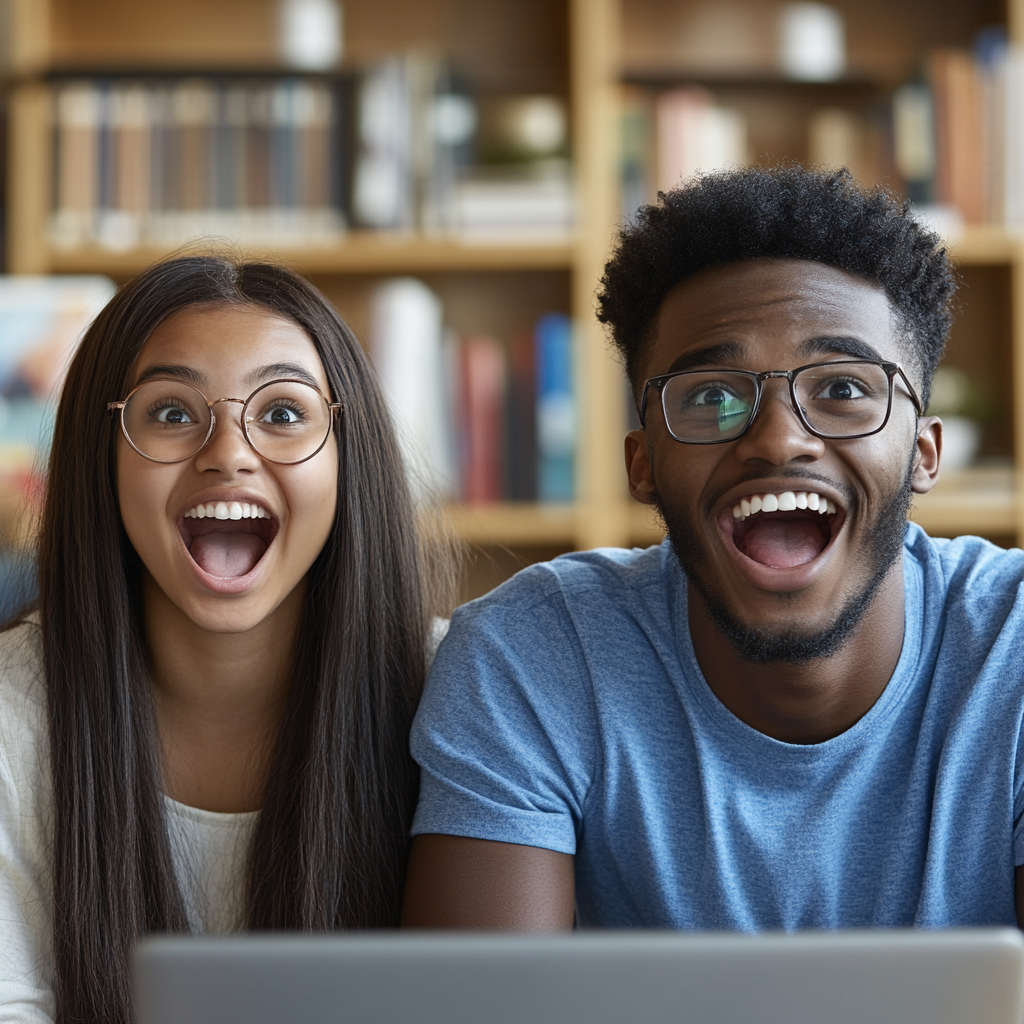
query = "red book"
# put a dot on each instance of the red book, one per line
(483, 414)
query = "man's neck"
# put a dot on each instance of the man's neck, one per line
(811, 701)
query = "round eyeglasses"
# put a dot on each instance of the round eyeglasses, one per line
(284, 421)
(843, 399)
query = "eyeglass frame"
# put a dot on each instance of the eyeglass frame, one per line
(334, 407)
(891, 370)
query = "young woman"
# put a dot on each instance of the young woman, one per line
(204, 727)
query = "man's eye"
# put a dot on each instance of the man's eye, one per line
(842, 390)
(715, 396)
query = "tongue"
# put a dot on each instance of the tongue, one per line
(227, 555)
(783, 543)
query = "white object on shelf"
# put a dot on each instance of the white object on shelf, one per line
(694, 134)
(961, 439)
(311, 34)
(812, 42)
(407, 341)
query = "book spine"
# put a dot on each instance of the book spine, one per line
(521, 434)
(77, 159)
(556, 409)
(483, 388)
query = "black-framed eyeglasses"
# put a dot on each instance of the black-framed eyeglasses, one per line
(284, 421)
(842, 399)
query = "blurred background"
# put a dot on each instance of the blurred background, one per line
(450, 173)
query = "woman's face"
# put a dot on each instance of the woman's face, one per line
(227, 575)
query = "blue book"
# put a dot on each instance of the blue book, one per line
(556, 409)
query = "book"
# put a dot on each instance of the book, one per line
(556, 409)
(695, 134)
(521, 419)
(483, 372)
(409, 349)
(41, 322)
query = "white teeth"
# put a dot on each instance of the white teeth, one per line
(786, 501)
(235, 510)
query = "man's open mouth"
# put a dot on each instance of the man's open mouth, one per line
(783, 529)
(227, 539)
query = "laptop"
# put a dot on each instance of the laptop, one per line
(902, 977)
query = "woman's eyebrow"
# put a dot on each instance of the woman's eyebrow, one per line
(186, 373)
(273, 371)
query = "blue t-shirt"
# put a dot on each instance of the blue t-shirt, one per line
(566, 710)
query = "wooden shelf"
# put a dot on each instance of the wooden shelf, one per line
(512, 523)
(358, 253)
(981, 500)
(986, 245)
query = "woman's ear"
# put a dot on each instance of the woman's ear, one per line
(929, 452)
(638, 467)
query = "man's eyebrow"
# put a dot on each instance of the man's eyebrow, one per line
(186, 373)
(273, 371)
(829, 344)
(710, 356)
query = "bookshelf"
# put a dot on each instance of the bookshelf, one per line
(588, 51)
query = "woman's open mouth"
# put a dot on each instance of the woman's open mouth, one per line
(227, 539)
(783, 529)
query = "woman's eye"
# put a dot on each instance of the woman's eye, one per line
(842, 390)
(173, 415)
(281, 415)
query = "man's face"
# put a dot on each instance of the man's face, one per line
(786, 584)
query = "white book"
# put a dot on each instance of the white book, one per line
(407, 342)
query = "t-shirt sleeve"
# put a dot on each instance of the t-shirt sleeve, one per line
(26, 992)
(504, 734)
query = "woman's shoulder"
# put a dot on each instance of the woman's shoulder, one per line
(22, 693)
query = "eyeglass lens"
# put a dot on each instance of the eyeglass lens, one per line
(169, 421)
(836, 399)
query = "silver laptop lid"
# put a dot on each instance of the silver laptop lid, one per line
(903, 977)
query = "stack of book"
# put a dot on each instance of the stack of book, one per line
(159, 162)
(480, 419)
(952, 138)
(290, 161)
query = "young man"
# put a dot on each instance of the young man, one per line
(795, 713)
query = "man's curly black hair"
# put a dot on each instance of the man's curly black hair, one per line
(778, 213)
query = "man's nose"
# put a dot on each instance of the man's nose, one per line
(777, 434)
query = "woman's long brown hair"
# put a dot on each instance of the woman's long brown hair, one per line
(329, 848)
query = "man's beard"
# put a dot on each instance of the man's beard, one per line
(884, 548)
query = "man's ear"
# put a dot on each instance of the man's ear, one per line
(929, 451)
(638, 467)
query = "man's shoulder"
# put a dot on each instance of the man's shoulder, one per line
(614, 575)
(968, 569)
